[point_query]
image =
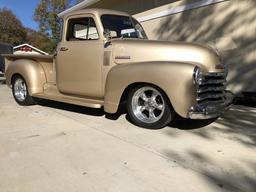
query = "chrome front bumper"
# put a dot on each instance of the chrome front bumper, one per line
(211, 110)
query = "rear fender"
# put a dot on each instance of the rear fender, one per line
(31, 71)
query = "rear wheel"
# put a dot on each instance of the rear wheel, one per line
(148, 107)
(20, 92)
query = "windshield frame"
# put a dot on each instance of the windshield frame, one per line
(134, 22)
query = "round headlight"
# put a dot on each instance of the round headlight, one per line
(197, 75)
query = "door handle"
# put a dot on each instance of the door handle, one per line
(63, 49)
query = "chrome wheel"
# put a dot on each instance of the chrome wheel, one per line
(148, 105)
(20, 89)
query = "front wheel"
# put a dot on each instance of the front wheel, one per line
(148, 107)
(20, 91)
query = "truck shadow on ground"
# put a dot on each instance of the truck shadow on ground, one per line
(179, 123)
(81, 109)
(70, 107)
(239, 122)
(189, 124)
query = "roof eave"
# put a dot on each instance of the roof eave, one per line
(36, 49)
(79, 6)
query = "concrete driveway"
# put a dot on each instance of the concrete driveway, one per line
(54, 147)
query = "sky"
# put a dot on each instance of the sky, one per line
(23, 9)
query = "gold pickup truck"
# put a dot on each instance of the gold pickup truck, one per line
(104, 58)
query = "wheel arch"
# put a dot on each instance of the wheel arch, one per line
(13, 76)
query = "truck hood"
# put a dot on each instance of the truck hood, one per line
(135, 51)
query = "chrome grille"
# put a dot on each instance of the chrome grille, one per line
(211, 87)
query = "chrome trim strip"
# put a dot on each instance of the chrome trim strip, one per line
(122, 57)
(210, 96)
(216, 75)
(207, 89)
(212, 81)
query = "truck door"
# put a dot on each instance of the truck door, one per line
(80, 58)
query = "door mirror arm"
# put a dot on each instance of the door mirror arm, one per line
(55, 53)
(107, 35)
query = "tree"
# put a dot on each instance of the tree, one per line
(11, 28)
(13, 32)
(40, 40)
(46, 14)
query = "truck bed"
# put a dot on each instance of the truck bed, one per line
(46, 61)
(39, 58)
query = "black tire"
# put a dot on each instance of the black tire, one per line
(27, 100)
(165, 117)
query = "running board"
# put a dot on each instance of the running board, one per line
(92, 103)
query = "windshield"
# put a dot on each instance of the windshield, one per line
(122, 27)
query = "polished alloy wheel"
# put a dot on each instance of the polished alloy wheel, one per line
(148, 105)
(20, 89)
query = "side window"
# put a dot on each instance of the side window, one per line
(82, 29)
(92, 31)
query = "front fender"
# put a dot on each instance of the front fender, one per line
(174, 78)
(31, 71)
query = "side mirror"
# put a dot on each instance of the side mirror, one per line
(107, 34)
